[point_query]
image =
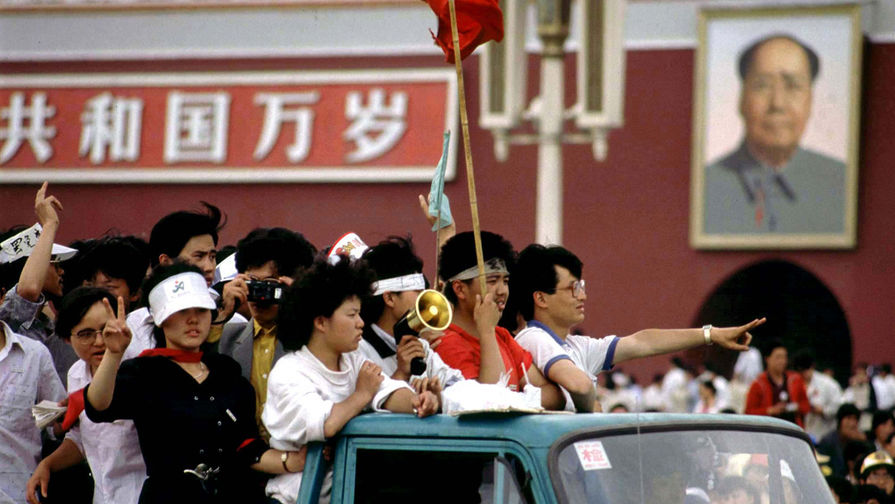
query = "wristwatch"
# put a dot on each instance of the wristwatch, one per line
(707, 333)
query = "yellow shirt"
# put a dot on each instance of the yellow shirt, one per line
(264, 345)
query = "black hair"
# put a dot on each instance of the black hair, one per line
(709, 385)
(841, 487)
(158, 275)
(458, 254)
(172, 232)
(748, 55)
(803, 360)
(76, 304)
(536, 272)
(390, 258)
(771, 345)
(287, 249)
(318, 292)
(880, 417)
(846, 410)
(865, 493)
(117, 257)
(75, 268)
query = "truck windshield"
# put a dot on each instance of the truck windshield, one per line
(692, 467)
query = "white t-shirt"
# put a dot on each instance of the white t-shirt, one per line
(590, 355)
(435, 367)
(301, 393)
(112, 450)
(825, 393)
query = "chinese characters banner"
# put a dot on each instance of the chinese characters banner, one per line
(349, 126)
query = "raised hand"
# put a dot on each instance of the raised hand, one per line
(486, 312)
(116, 333)
(735, 338)
(46, 207)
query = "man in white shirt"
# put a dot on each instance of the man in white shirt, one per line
(551, 294)
(27, 376)
(824, 394)
(399, 281)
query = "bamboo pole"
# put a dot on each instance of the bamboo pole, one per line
(470, 176)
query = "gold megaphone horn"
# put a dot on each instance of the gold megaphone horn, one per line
(431, 310)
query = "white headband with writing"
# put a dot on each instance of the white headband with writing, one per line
(492, 266)
(414, 281)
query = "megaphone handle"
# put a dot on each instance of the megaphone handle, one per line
(417, 366)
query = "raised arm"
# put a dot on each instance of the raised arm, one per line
(649, 342)
(34, 273)
(486, 317)
(117, 336)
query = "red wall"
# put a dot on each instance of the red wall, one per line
(627, 217)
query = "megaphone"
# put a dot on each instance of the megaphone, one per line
(431, 310)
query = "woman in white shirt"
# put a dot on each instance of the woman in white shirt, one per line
(319, 386)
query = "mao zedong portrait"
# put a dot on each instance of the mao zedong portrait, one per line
(770, 184)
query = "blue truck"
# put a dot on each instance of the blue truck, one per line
(651, 458)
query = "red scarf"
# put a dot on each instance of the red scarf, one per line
(171, 353)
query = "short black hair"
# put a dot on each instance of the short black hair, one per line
(158, 275)
(76, 304)
(117, 257)
(803, 360)
(535, 272)
(172, 232)
(846, 410)
(458, 254)
(770, 345)
(748, 55)
(880, 417)
(75, 268)
(289, 250)
(318, 292)
(390, 258)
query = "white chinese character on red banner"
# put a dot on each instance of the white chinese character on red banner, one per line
(196, 127)
(275, 115)
(111, 123)
(376, 127)
(36, 132)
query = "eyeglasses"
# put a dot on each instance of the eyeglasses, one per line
(86, 335)
(577, 288)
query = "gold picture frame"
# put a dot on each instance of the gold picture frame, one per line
(775, 128)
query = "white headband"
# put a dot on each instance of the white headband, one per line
(414, 281)
(179, 292)
(23, 243)
(492, 266)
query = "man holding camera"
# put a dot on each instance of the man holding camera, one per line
(266, 259)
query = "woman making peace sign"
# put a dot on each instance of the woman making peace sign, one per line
(194, 412)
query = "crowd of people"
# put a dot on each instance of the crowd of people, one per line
(195, 372)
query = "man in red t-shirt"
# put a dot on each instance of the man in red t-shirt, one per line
(474, 343)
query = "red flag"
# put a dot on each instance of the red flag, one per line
(478, 21)
(75, 407)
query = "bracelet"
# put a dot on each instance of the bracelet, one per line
(284, 457)
(707, 333)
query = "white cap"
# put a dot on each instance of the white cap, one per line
(23, 243)
(179, 292)
(348, 245)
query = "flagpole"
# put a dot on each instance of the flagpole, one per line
(470, 176)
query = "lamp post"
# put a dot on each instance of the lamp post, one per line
(600, 83)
